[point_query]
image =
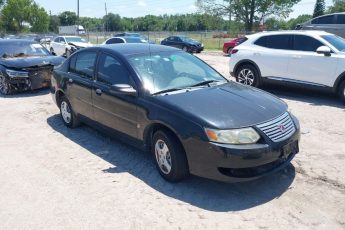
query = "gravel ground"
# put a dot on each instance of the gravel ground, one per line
(52, 177)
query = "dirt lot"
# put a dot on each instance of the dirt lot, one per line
(52, 177)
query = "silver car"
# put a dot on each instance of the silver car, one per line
(331, 23)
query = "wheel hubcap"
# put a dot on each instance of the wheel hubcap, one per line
(66, 112)
(163, 157)
(246, 77)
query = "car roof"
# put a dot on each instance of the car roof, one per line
(128, 49)
(302, 32)
(14, 41)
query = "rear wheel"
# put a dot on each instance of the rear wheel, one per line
(5, 86)
(170, 157)
(341, 91)
(248, 75)
(51, 50)
(68, 116)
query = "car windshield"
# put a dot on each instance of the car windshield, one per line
(186, 39)
(166, 71)
(75, 39)
(20, 49)
(337, 42)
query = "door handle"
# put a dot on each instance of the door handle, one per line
(99, 92)
(296, 57)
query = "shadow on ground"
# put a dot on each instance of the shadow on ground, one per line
(33, 93)
(199, 192)
(311, 96)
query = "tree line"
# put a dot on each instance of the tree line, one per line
(19, 16)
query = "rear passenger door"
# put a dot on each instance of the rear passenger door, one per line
(114, 110)
(80, 81)
(307, 65)
(273, 56)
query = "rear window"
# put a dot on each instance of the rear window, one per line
(329, 19)
(275, 42)
(22, 49)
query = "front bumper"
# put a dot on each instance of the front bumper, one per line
(36, 80)
(235, 163)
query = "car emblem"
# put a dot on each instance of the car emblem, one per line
(282, 128)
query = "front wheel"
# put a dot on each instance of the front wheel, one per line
(341, 91)
(68, 116)
(170, 157)
(5, 86)
(248, 75)
(68, 53)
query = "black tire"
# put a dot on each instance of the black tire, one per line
(178, 161)
(64, 106)
(248, 75)
(5, 87)
(341, 91)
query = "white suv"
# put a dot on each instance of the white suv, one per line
(66, 45)
(311, 58)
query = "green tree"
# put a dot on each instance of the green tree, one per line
(16, 15)
(292, 23)
(319, 8)
(112, 22)
(247, 11)
(39, 19)
(338, 6)
(54, 23)
(68, 18)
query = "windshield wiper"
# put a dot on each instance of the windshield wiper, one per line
(204, 83)
(168, 90)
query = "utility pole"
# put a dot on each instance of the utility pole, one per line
(78, 11)
(106, 14)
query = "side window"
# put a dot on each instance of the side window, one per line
(325, 20)
(170, 38)
(305, 43)
(275, 42)
(114, 41)
(341, 19)
(57, 39)
(84, 64)
(111, 71)
(261, 41)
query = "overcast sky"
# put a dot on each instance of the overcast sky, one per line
(136, 8)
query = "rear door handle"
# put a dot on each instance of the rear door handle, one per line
(99, 92)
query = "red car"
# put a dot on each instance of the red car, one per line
(229, 45)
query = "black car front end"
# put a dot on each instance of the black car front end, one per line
(196, 47)
(278, 144)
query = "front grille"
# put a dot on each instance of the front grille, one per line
(278, 129)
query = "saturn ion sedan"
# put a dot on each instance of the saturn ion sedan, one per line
(166, 101)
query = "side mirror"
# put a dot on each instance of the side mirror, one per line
(325, 50)
(123, 89)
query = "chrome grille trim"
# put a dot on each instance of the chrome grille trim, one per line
(272, 129)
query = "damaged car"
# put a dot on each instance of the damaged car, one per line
(25, 65)
(66, 45)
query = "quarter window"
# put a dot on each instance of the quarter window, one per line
(111, 71)
(83, 64)
(275, 42)
(305, 43)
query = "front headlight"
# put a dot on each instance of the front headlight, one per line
(14, 73)
(233, 136)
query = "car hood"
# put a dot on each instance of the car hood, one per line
(226, 106)
(80, 44)
(24, 62)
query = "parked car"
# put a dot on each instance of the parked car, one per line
(309, 58)
(332, 23)
(117, 40)
(136, 35)
(171, 103)
(185, 43)
(229, 45)
(66, 45)
(25, 65)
